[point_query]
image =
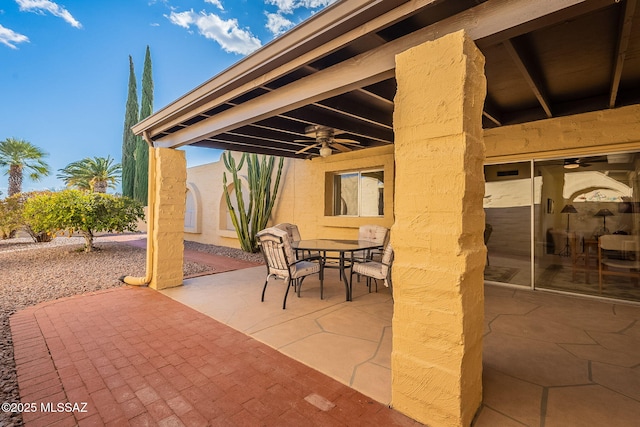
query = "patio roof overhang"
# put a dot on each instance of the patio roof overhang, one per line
(543, 59)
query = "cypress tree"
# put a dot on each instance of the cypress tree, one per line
(128, 138)
(142, 149)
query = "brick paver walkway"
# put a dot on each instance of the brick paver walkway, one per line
(220, 263)
(137, 357)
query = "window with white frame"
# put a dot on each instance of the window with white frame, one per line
(358, 193)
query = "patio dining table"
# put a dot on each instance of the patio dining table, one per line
(345, 250)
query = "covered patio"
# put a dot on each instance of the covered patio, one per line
(428, 93)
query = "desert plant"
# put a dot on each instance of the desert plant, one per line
(141, 154)
(18, 155)
(93, 174)
(129, 139)
(86, 213)
(262, 195)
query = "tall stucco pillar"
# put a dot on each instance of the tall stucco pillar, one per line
(167, 199)
(436, 361)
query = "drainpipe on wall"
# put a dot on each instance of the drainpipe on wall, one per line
(144, 280)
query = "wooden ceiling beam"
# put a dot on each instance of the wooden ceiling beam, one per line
(276, 136)
(622, 45)
(358, 128)
(222, 144)
(491, 112)
(490, 17)
(356, 110)
(290, 133)
(239, 139)
(522, 57)
(376, 97)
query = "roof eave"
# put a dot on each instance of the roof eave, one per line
(272, 55)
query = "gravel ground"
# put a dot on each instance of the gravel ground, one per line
(223, 250)
(33, 273)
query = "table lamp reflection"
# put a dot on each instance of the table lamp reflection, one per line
(604, 213)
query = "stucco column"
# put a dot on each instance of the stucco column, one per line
(168, 203)
(436, 361)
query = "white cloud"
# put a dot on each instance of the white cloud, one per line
(183, 19)
(42, 6)
(288, 6)
(227, 33)
(9, 37)
(216, 3)
(277, 23)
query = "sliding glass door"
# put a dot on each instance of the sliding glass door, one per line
(574, 223)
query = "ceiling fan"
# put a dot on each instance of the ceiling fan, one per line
(575, 163)
(580, 162)
(324, 137)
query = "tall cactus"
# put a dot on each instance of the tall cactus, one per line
(262, 195)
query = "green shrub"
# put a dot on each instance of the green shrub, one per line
(82, 212)
(10, 216)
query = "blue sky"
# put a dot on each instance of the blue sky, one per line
(64, 65)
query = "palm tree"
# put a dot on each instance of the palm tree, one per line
(18, 155)
(92, 174)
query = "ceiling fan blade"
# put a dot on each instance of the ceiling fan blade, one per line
(340, 147)
(304, 140)
(346, 141)
(307, 148)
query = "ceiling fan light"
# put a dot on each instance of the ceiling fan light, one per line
(325, 151)
(571, 164)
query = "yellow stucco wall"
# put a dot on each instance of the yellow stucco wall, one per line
(436, 361)
(168, 201)
(301, 198)
(598, 132)
(304, 196)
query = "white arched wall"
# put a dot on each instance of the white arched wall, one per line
(193, 211)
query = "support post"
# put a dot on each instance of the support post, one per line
(170, 177)
(437, 236)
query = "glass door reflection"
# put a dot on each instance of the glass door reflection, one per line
(582, 199)
(507, 206)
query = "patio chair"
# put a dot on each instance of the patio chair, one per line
(291, 229)
(371, 233)
(618, 255)
(294, 236)
(282, 264)
(376, 270)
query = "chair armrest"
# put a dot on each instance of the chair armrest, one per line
(309, 258)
